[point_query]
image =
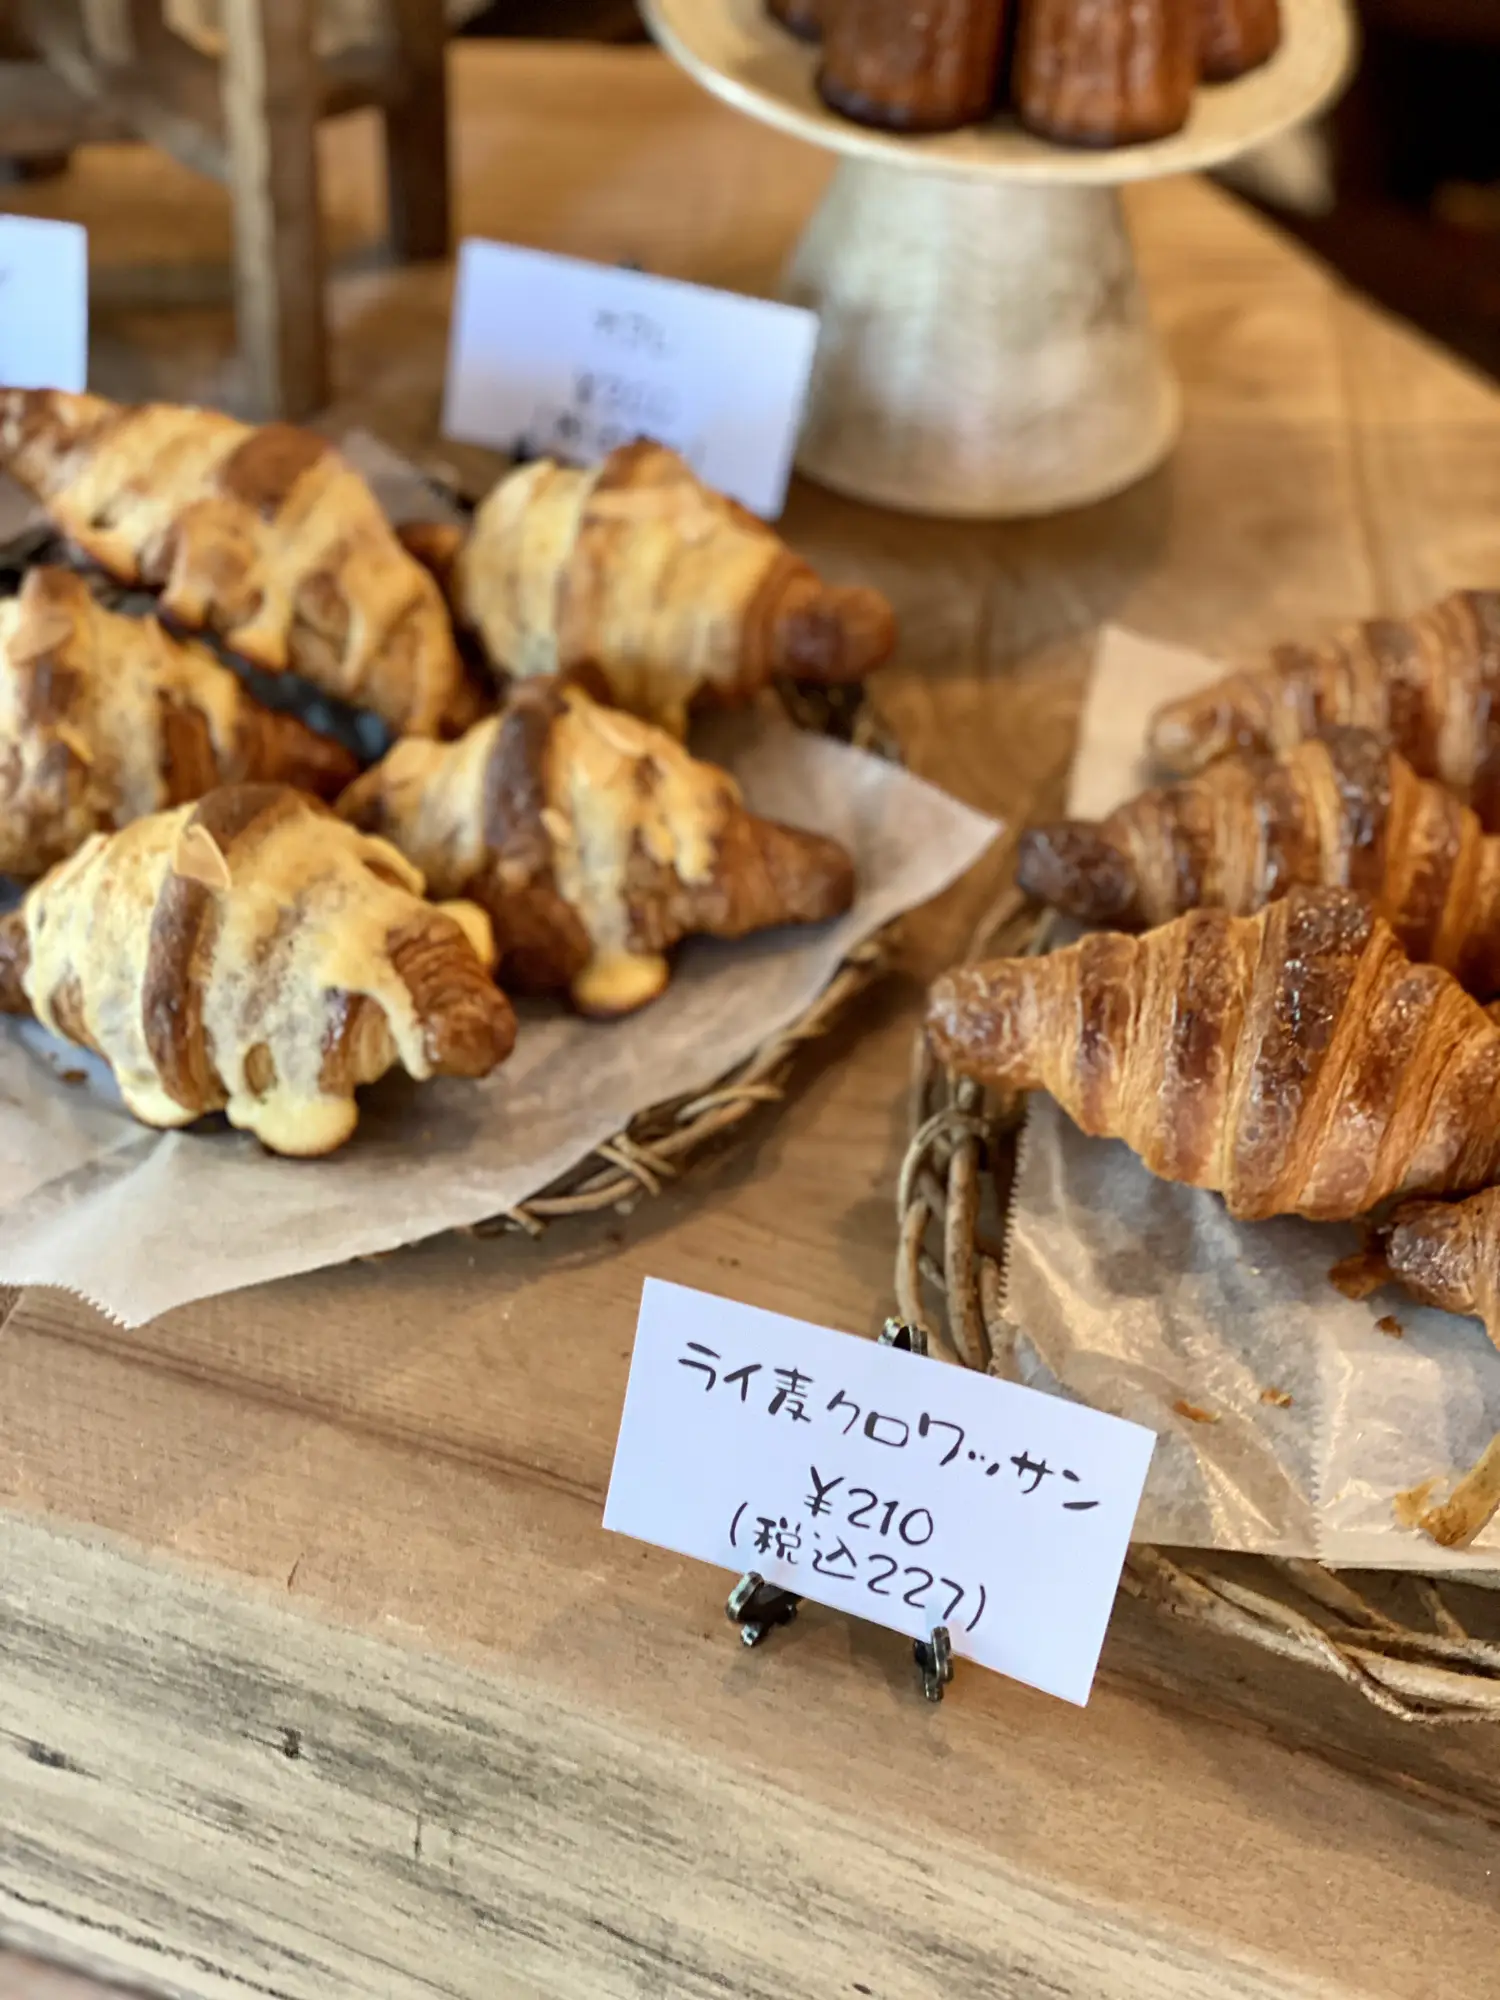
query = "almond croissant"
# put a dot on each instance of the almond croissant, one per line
(265, 537)
(1338, 811)
(655, 586)
(1297, 1060)
(252, 954)
(104, 719)
(595, 843)
(1430, 685)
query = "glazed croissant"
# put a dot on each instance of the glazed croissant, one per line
(1338, 811)
(265, 537)
(1297, 1060)
(595, 843)
(104, 719)
(1447, 1254)
(1430, 685)
(251, 954)
(652, 584)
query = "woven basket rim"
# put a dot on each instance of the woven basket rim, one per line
(949, 1281)
(654, 1147)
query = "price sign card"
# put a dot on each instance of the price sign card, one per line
(889, 1486)
(552, 357)
(44, 304)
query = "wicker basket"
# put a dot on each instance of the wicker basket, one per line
(1415, 1649)
(656, 1145)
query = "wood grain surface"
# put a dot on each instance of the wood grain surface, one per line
(270, 86)
(25, 1978)
(320, 1676)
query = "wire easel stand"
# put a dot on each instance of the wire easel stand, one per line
(949, 1282)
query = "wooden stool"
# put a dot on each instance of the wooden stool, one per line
(113, 69)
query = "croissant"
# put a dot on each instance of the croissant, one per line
(1447, 1254)
(253, 955)
(104, 719)
(265, 537)
(1338, 811)
(1430, 685)
(1297, 1061)
(595, 843)
(656, 587)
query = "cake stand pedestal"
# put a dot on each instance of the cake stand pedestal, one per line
(986, 347)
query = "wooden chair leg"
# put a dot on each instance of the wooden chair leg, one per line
(416, 132)
(270, 88)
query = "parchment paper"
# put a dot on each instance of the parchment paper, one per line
(1133, 1295)
(139, 1221)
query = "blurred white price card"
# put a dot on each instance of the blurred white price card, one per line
(892, 1487)
(44, 304)
(551, 357)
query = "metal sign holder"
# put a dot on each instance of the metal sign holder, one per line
(758, 1607)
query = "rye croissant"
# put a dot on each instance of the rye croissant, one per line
(265, 537)
(252, 954)
(1430, 685)
(1338, 811)
(594, 842)
(104, 719)
(1447, 1254)
(649, 582)
(1296, 1061)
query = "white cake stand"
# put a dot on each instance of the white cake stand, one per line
(986, 347)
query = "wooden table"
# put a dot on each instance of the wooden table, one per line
(320, 1676)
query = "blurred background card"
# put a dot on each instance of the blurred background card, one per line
(44, 304)
(552, 357)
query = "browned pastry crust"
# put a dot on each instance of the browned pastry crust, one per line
(1339, 811)
(1430, 685)
(1447, 1254)
(595, 843)
(803, 17)
(1235, 36)
(638, 576)
(254, 955)
(1296, 1061)
(104, 719)
(266, 537)
(927, 67)
(1105, 72)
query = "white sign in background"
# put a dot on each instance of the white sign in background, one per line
(554, 357)
(889, 1486)
(44, 304)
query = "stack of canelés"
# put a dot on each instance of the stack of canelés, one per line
(1080, 72)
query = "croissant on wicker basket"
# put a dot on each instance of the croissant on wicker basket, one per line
(1296, 1061)
(104, 719)
(656, 588)
(1337, 811)
(254, 955)
(595, 843)
(1430, 685)
(263, 536)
